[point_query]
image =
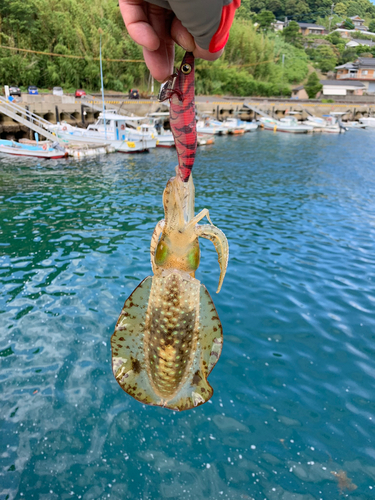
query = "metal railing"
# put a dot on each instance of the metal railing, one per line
(27, 118)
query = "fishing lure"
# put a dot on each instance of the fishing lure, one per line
(169, 337)
(180, 90)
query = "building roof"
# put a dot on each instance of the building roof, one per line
(342, 83)
(348, 65)
(361, 62)
(369, 43)
(357, 18)
(300, 87)
(364, 62)
(311, 25)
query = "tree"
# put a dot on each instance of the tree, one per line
(265, 19)
(371, 26)
(313, 85)
(244, 12)
(341, 9)
(292, 35)
(334, 37)
(356, 9)
(298, 9)
(348, 24)
(326, 58)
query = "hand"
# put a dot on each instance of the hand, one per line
(157, 30)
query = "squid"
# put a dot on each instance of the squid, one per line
(169, 336)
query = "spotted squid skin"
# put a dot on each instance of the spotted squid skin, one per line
(166, 363)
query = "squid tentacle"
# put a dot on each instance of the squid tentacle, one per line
(220, 242)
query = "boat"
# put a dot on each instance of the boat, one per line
(43, 149)
(368, 121)
(233, 126)
(205, 139)
(353, 124)
(237, 126)
(164, 138)
(111, 130)
(212, 127)
(329, 124)
(288, 124)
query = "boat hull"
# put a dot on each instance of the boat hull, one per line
(17, 149)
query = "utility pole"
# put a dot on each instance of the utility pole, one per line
(330, 17)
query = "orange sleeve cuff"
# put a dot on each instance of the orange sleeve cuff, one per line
(221, 36)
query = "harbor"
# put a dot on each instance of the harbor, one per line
(84, 112)
(108, 126)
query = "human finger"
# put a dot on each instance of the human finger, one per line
(200, 53)
(181, 36)
(160, 61)
(138, 25)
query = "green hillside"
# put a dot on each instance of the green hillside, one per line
(257, 61)
(308, 10)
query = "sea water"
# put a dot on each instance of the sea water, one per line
(293, 410)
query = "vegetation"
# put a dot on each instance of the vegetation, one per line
(308, 10)
(348, 24)
(256, 61)
(313, 85)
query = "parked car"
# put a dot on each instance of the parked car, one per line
(57, 91)
(133, 94)
(80, 93)
(13, 90)
(31, 89)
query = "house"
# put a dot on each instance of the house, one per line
(341, 88)
(358, 23)
(311, 29)
(299, 93)
(355, 42)
(362, 70)
(278, 25)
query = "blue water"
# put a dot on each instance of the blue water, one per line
(293, 410)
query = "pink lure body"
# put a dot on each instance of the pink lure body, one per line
(180, 90)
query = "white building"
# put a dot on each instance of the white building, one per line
(339, 87)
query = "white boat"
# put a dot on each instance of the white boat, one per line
(352, 124)
(288, 124)
(329, 124)
(164, 138)
(41, 150)
(237, 126)
(208, 126)
(250, 126)
(368, 121)
(205, 139)
(233, 126)
(113, 132)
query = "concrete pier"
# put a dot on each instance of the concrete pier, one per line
(82, 112)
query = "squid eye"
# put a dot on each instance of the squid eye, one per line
(193, 258)
(161, 253)
(186, 69)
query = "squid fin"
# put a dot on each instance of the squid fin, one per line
(211, 331)
(128, 363)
